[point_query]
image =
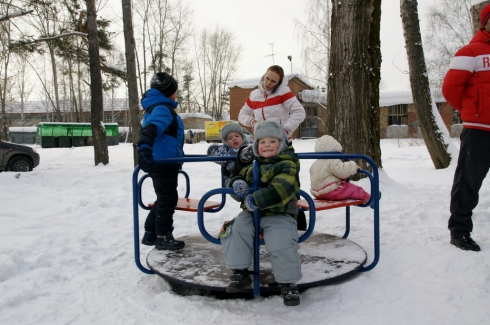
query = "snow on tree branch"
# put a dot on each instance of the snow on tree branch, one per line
(15, 14)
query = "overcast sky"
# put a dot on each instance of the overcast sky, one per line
(268, 35)
(257, 23)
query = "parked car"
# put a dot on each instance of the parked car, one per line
(17, 158)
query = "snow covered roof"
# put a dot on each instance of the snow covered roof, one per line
(198, 115)
(313, 96)
(22, 128)
(386, 97)
(404, 96)
(65, 106)
(254, 82)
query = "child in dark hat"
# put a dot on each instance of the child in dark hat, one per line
(161, 136)
(233, 139)
(276, 201)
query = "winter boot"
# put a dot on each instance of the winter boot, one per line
(149, 238)
(465, 243)
(167, 242)
(239, 280)
(290, 294)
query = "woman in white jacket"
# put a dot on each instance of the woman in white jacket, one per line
(273, 101)
(328, 176)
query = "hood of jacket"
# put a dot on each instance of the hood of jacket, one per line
(153, 96)
(327, 143)
(284, 82)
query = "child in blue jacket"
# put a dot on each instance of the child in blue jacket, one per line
(233, 140)
(161, 136)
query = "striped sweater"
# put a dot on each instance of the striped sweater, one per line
(466, 86)
(281, 107)
(279, 184)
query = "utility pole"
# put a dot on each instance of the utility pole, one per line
(272, 52)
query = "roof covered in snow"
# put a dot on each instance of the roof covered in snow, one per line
(254, 82)
(198, 115)
(386, 97)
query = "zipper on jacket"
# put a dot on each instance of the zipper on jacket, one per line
(263, 115)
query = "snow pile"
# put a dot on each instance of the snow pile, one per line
(66, 249)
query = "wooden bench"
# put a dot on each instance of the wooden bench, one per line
(327, 204)
(186, 204)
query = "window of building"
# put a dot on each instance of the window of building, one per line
(398, 114)
(456, 117)
(311, 120)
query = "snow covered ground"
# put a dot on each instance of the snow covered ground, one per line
(66, 249)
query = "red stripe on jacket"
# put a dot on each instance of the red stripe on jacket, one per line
(269, 101)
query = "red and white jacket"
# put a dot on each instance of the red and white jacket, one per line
(282, 107)
(466, 86)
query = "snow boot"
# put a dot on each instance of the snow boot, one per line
(239, 280)
(168, 242)
(465, 243)
(290, 294)
(149, 238)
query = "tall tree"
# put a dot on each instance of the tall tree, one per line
(101, 152)
(354, 76)
(217, 58)
(477, 6)
(130, 47)
(163, 30)
(48, 22)
(8, 11)
(449, 29)
(316, 35)
(434, 138)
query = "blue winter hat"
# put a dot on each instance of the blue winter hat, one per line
(270, 129)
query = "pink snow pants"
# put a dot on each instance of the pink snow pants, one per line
(345, 191)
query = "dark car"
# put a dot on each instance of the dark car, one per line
(17, 158)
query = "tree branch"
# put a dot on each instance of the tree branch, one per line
(15, 14)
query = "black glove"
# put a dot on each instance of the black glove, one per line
(244, 157)
(145, 159)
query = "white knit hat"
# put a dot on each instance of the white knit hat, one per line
(270, 129)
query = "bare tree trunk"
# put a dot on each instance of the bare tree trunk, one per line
(475, 14)
(131, 74)
(58, 116)
(101, 153)
(419, 82)
(354, 76)
(4, 131)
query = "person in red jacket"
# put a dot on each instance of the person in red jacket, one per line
(466, 87)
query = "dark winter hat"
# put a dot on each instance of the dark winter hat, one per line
(270, 129)
(484, 15)
(164, 83)
(231, 127)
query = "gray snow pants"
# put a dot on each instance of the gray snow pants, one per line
(281, 241)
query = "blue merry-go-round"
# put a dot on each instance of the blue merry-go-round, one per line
(199, 267)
